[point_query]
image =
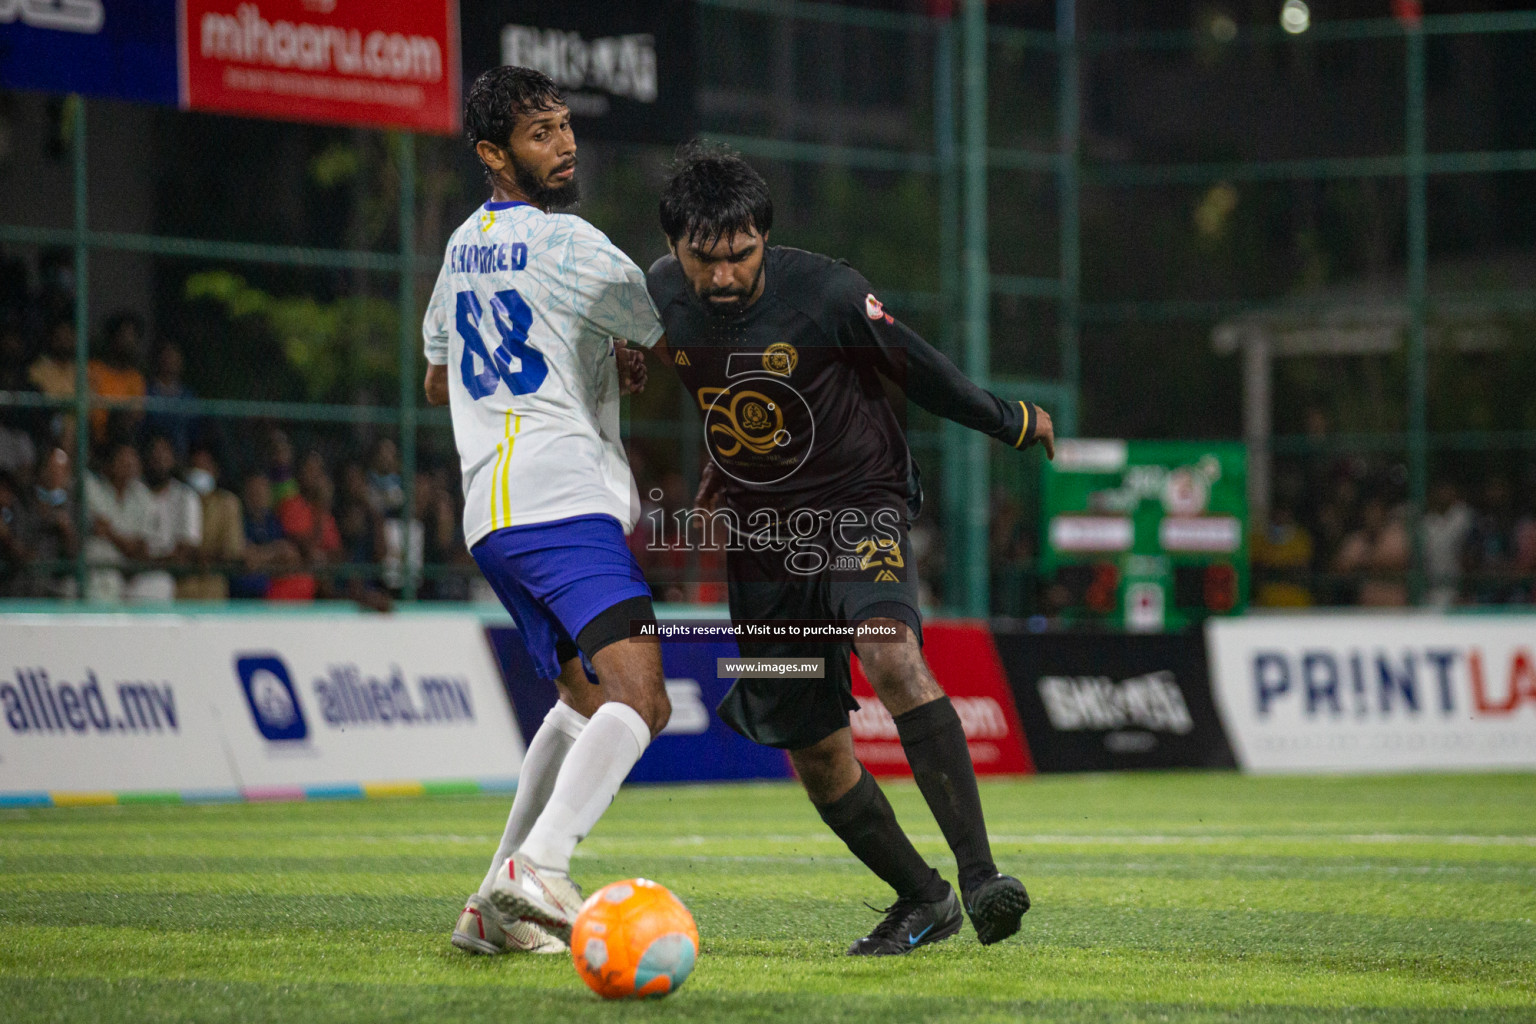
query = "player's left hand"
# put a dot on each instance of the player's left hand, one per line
(632, 371)
(1045, 433)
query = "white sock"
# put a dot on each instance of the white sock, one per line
(589, 780)
(541, 766)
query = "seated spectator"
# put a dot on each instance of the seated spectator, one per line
(1381, 551)
(1282, 556)
(118, 504)
(1525, 543)
(53, 374)
(13, 358)
(362, 539)
(357, 520)
(17, 547)
(55, 538)
(165, 382)
(402, 556)
(307, 522)
(441, 523)
(279, 465)
(175, 531)
(1489, 555)
(266, 549)
(385, 487)
(116, 374)
(223, 531)
(1330, 525)
(18, 453)
(1444, 529)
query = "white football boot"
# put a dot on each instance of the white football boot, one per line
(538, 896)
(482, 929)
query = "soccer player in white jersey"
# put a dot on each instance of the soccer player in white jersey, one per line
(527, 323)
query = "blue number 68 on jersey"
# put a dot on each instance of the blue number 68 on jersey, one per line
(512, 318)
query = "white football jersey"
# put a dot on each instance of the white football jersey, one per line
(524, 315)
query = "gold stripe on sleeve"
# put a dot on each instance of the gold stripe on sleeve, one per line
(1024, 432)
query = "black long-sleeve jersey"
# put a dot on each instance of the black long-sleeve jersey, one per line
(794, 412)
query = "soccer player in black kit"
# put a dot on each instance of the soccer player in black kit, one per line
(784, 350)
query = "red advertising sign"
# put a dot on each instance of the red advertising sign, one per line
(965, 662)
(384, 63)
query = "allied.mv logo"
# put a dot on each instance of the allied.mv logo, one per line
(269, 692)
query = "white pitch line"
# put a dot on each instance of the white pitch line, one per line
(1035, 839)
(1152, 839)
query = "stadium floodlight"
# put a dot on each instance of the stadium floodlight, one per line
(1295, 17)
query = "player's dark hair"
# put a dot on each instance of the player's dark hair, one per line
(713, 193)
(500, 96)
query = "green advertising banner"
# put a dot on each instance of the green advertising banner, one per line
(1151, 536)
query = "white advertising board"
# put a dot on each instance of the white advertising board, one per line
(1376, 692)
(263, 706)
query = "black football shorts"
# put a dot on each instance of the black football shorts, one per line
(876, 580)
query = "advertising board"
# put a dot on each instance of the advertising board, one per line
(967, 667)
(249, 708)
(625, 70)
(1377, 692)
(341, 61)
(392, 65)
(1105, 702)
(125, 49)
(696, 745)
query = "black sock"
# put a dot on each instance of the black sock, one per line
(934, 742)
(863, 819)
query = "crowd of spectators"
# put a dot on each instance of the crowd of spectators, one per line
(172, 511)
(182, 508)
(1340, 532)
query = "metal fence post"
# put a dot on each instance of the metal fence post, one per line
(1068, 116)
(405, 157)
(77, 107)
(952, 435)
(978, 298)
(1418, 272)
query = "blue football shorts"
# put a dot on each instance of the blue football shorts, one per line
(557, 577)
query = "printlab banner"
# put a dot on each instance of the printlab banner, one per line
(335, 61)
(626, 70)
(1102, 702)
(256, 707)
(695, 746)
(966, 665)
(1377, 692)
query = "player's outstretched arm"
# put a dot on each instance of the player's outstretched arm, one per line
(932, 381)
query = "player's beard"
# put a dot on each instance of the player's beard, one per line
(541, 195)
(740, 296)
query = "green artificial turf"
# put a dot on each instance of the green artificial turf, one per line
(1158, 897)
